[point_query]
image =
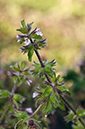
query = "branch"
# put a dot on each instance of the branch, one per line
(64, 99)
(7, 105)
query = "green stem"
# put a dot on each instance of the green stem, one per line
(7, 105)
(36, 111)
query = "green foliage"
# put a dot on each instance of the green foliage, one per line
(80, 112)
(35, 41)
(78, 126)
(51, 96)
(18, 99)
(30, 54)
(69, 117)
(47, 69)
(4, 94)
(22, 115)
(20, 73)
(23, 24)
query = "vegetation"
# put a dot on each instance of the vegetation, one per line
(49, 97)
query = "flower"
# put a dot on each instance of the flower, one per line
(35, 94)
(27, 41)
(38, 32)
(29, 110)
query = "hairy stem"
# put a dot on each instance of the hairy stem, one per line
(9, 100)
(64, 99)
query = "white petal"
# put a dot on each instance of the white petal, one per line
(18, 40)
(28, 83)
(17, 36)
(29, 110)
(27, 42)
(38, 32)
(35, 94)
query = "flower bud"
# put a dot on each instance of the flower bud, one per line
(30, 122)
(34, 126)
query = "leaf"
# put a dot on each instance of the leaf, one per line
(19, 98)
(64, 89)
(48, 107)
(16, 103)
(24, 24)
(22, 30)
(21, 115)
(22, 40)
(47, 91)
(54, 101)
(14, 79)
(61, 104)
(69, 117)
(23, 64)
(30, 54)
(20, 81)
(41, 70)
(54, 78)
(31, 23)
(48, 69)
(81, 113)
(35, 36)
(4, 93)
(16, 68)
(58, 77)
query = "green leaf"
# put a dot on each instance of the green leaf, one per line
(41, 70)
(20, 81)
(22, 40)
(48, 69)
(24, 24)
(30, 54)
(23, 64)
(47, 91)
(58, 77)
(16, 68)
(16, 103)
(81, 112)
(21, 115)
(64, 89)
(4, 93)
(48, 107)
(61, 104)
(22, 30)
(31, 23)
(54, 101)
(35, 36)
(69, 117)
(19, 98)
(26, 73)
(54, 78)
(14, 79)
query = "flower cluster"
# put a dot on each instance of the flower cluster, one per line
(32, 39)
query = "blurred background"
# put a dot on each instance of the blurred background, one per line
(62, 22)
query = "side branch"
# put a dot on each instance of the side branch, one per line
(7, 105)
(64, 99)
